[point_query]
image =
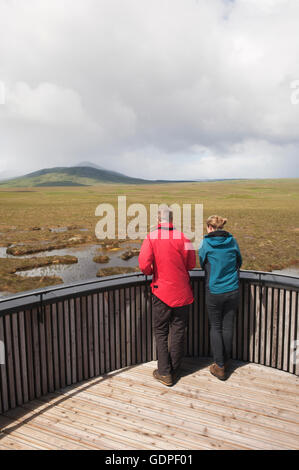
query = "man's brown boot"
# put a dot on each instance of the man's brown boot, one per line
(164, 379)
(218, 372)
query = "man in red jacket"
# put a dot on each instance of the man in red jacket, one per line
(168, 255)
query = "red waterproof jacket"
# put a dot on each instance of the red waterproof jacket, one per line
(168, 255)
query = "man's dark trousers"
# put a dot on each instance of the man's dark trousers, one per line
(171, 320)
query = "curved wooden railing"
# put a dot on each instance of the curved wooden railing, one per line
(60, 336)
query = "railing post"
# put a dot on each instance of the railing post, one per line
(41, 309)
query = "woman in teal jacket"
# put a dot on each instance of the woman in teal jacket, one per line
(220, 257)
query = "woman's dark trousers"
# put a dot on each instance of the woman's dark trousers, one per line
(169, 323)
(222, 309)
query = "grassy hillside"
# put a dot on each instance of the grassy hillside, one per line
(70, 176)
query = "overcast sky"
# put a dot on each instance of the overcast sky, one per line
(152, 88)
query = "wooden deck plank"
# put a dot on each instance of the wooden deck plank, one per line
(232, 409)
(185, 409)
(16, 443)
(121, 430)
(70, 436)
(147, 420)
(66, 432)
(257, 408)
(127, 415)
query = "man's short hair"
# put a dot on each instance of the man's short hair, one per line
(165, 214)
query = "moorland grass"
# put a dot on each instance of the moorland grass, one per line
(262, 214)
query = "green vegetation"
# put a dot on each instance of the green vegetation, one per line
(262, 214)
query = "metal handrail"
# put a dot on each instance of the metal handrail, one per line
(47, 290)
(37, 297)
(88, 282)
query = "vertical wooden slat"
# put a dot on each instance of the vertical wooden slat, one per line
(123, 328)
(287, 320)
(96, 334)
(84, 337)
(257, 325)
(269, 324)
(116, 313)
(235, 337)
(29, 348)
(262, 346)
(111, 316)
(143, 313)
(49, 365)
(79, 339)
(36, 352)
(251, 322)
(240, 322)
(55, 346)
(275, 318)
(23, 356)
(280, 328)
(138, 337)
(67, 343)
(154, 345)
(128, 327)
(107, 335)
(43, 354)
(196, 318)
(201, 313)
(246, 330)
(4, 402)
(73, 343)
(207, 341)
(16, 358)
(133, 325)
(190, 332)
(102, 332)
(90, 336)
(149, 325)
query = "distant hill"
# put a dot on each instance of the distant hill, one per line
(83, 174)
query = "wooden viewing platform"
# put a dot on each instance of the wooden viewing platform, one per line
(256, 408)
(76, 364)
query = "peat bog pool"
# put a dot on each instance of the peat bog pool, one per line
(85, 269)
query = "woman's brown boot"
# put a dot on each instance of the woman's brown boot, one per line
(218, 372)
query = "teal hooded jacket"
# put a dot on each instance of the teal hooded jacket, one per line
(220, 257)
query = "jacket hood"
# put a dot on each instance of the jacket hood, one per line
(219, 238)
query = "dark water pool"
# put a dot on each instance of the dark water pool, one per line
(86, 268)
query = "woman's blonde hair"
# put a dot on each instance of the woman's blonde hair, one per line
(216, 222)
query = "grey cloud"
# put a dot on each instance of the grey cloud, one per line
(164, 88)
